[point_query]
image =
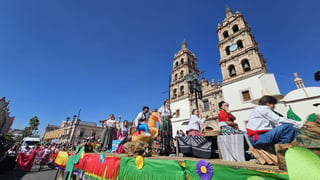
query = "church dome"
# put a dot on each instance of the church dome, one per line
(302, 93)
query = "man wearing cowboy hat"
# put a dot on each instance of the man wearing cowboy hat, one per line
(266, 128)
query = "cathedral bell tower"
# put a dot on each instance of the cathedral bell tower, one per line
(239, 54)
(184, 62)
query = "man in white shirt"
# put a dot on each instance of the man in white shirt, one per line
(194, 123)
(265, 128)
(141, 121)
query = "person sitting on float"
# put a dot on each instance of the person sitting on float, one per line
(226, 120)
(141, 121)
(266, 128)
(194, 123)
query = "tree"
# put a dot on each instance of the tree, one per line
(26, 132)
(8, 137)
(34, 123)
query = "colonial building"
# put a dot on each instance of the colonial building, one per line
(302, 99)
(5, 119)
(73, 131)
(16, 134)
(244, 78)
(242, 66)
(182, 101)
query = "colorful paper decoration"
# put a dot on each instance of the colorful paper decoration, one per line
(204, 169)
(102, 157)
(226, 173)
(139, 162)
(154, 169)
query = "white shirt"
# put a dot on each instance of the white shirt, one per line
(195, 122)
(263, 118)
(111, 123)
(164, 112)
(139, 117)
(124, 129)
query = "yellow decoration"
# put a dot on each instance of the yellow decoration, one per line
(139, 162)
(153, 130)
(62, 158)
(203, 169)
(82, 154)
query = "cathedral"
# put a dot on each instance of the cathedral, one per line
(244, 77)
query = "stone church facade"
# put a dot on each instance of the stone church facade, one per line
(244, 76)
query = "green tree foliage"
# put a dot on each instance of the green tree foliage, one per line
(32, 128)
(26, 131)
(34, 123)
(8, 137)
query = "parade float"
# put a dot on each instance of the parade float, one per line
(301, 163)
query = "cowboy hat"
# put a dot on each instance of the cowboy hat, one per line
(265, 92)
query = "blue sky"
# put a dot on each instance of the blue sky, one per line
(103, 57)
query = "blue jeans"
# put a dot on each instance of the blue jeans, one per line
(143, 127)
(282, 134)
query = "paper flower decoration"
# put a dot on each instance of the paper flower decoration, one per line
(204, 170)
(102, 157)
(139, 162)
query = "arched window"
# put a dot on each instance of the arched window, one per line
(181, 74)
(188, 60)
(240, 44)
(182, 90)
(232, 71)
(227, 50)
(225, 34)
(235, 28)
(245, 65)
(175, 76)
(182, 60)
(177, 63)
(174, 93)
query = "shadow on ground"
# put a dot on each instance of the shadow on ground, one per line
(14, 174)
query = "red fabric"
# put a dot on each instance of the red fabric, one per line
(95, 167)
(195, 133)
(80, 165)
(24, 161)
(255, 133)
(120, 149)
(224, 116)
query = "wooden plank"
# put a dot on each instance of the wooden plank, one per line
(272, 157)
(264, 156)
(257, 155)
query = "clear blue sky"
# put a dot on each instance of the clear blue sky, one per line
(116, 56)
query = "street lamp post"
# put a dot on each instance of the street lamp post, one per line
(194, 86)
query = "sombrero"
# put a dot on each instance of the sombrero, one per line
(265, 92)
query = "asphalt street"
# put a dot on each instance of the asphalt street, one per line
(46, 173)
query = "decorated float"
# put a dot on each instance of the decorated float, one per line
(301, 163)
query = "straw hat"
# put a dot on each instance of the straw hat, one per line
(265, 92)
